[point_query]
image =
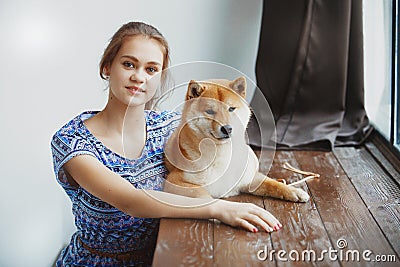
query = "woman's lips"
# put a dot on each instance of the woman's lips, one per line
(134, 89)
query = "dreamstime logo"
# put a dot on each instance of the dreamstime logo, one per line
(233, 170)
(309, 255)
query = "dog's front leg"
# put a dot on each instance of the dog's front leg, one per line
(273, 188)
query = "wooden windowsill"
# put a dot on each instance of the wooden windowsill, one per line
(356, 201)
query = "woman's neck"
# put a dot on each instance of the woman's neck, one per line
(120, 128)
(123, 119)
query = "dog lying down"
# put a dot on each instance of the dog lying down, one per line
(207, 155)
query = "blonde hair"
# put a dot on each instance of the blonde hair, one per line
(132, 29)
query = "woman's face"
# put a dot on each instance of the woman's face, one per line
(135, 73)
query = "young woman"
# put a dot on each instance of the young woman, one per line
(110, 163)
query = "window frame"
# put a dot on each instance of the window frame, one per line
(395, 98)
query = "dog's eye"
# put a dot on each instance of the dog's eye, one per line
(210, 112)
(232, 109)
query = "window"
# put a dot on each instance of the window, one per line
(381, 63)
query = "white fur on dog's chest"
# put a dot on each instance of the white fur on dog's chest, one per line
(216, 166)
(229, 173)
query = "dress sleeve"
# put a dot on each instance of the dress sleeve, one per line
(65, 145)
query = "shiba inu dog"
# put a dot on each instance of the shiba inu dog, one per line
(207, 155)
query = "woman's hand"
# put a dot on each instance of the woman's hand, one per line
(245, 215)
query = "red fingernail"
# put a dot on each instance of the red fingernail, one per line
(280, 225)
(255, 230)
(276, 227)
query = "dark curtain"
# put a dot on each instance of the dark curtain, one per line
(310, 69)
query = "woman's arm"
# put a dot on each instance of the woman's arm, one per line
(97, 179)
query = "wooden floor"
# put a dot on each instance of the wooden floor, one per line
(354, 205)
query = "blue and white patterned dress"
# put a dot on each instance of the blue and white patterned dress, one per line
(106, 236)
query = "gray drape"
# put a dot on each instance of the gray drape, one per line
(310, 69)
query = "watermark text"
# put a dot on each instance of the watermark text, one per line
(309, 255)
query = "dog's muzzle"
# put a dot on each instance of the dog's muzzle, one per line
(226, 131)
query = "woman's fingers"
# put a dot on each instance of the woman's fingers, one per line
(247, 216)
(266, 221)
(267, 217)
(248, 226)
(260, 217)
(258, 221)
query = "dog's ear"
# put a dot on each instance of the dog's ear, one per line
(194, 90)
(239, 86)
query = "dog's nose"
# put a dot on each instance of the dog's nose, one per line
(226, 130)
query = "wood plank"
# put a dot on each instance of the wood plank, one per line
(386, 161)
(391, 154)
(238, 247)
(303, 230)
(183, 242)
(342, 210)
(377, 189)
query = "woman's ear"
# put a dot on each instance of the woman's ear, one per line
(106, 72)
(194, 90)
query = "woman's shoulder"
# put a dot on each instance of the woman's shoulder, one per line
(74, 128)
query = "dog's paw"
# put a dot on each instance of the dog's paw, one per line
(297, 195)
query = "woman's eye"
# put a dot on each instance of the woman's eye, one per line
(152, 70)
(231, 109)
(128, 64)
(210, 112)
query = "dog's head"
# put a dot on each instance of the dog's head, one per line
(217, 108)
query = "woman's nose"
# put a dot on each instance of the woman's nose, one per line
(138, 76)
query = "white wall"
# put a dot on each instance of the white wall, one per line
(49, 53)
